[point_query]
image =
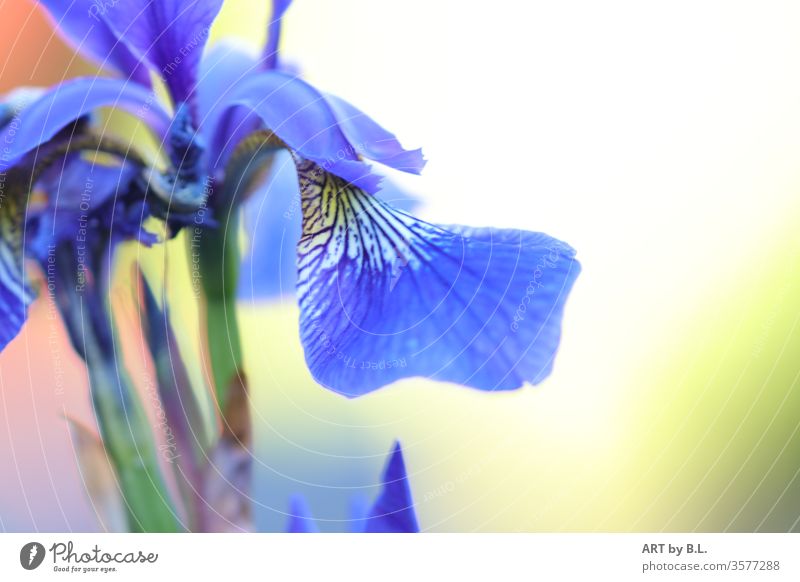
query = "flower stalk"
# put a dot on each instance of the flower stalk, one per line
(120, 415)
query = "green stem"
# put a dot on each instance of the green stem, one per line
(219, 262)
(124, 427)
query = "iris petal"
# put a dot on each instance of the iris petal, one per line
(222, 70)
(78, 191)
(270, 59)
(272, 219)
(384, 296)
(14, 293)
(80, 22)
(373, 141)
(302, 117)
(300, 520)
(393, 511)
(63, 104)
(169, 35)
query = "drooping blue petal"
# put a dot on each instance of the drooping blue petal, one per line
(169, 35)
(393, 510)
(222, 70)
(272, 220)
(270, 56)
(371, 140)
(300, 520)
(384, 296)
(302, 117)
(63, 104)
(82, 24)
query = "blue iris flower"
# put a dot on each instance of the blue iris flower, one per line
(76, 192)
(382, 295)
(391, 512)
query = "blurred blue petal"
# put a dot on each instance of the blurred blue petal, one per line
(81, 23)
(300, 520)
(84, 198)
(169, 35)
(359, 512)
(222, 70)
(272, 221)
(14, 293)
(393, 511)
(270, 56)
(384, 296)
(63, 104)
(83, 180)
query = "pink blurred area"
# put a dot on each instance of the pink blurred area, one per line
(31, 53)
(42, 382)
(41, 379)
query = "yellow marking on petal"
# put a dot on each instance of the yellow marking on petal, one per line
(99, 158)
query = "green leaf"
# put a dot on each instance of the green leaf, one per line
(219, 257)
(128, 438)
(98, 478)
(186, 440)
(124, 428)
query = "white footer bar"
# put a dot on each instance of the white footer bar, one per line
(501, 557)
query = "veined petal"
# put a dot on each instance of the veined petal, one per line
(169, 35)
(272, 220)
(14, 293)
(270, 57)
(393, 511)
(63, 104)
(302, 117)
(81, 23)
(384, 296)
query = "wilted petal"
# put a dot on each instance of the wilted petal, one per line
(63, 104)
(82, 24)
(385, 296)
(169, 35)
(393, 511)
